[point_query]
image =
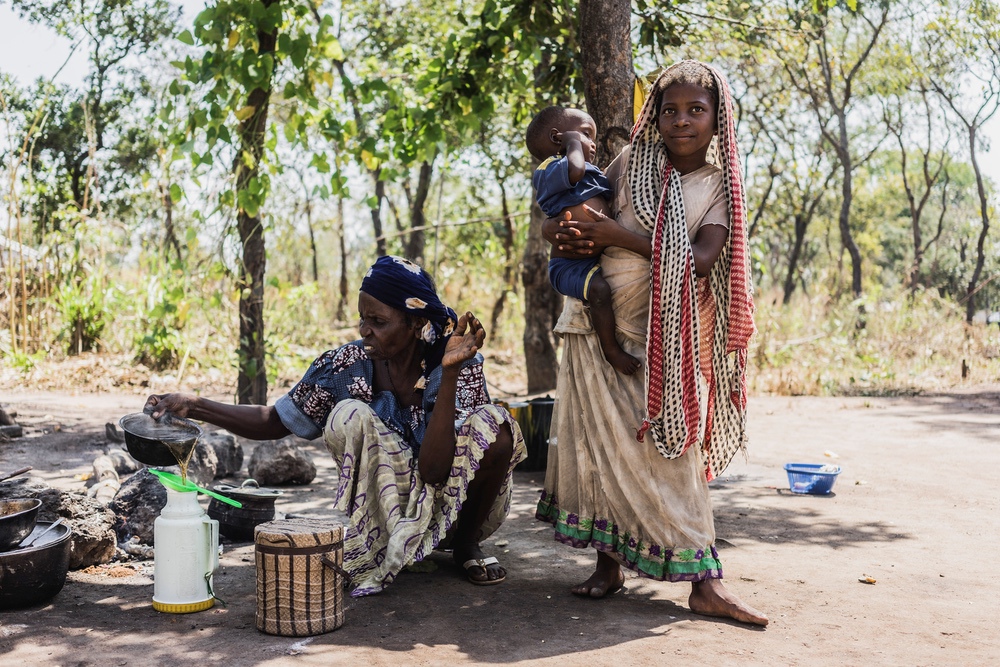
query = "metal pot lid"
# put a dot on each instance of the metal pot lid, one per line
(248, 490)
(167, 429)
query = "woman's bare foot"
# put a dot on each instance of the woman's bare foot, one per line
(711, 598)
(607, 578)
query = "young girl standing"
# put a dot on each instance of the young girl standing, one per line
(631, 459)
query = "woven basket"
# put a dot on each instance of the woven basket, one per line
(300, 577)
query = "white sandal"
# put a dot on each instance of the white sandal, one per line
(482, 562)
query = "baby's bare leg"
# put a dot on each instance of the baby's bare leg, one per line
(603, 316)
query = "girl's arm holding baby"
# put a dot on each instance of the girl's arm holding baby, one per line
(586, 238)
(590, 238)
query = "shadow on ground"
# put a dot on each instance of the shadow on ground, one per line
(99, 618)
(739, 514)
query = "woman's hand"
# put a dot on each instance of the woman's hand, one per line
(437, 450)
(178, 405)
(465, 341)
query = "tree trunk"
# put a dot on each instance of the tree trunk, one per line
(170, 237)
(541, 309)
(801, 224)
(508, 253)
(252, 382)
(415, 246)
(376, 211)
(342, 303)
(609, 81)
(846, 237)
(608, 74)
(312, 241)
(970, 295)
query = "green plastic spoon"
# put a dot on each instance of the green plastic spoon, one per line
(175, 482)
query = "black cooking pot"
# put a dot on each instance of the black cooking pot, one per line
(150, 441)
(237, 523)
(38, 572)
(17, 519)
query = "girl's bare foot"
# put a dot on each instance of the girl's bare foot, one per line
(711, 598)
(608, 578)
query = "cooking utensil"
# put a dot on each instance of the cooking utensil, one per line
(35, 574)
(159, 442)
(175, 482)
(15, 473)
(17, 520)
(35, 538)
(239, 523)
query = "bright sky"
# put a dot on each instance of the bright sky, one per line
(28, 51)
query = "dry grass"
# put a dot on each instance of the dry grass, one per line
(908, 345)
(902, 344)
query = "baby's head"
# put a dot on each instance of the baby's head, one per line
(550, 121)
(689, 72)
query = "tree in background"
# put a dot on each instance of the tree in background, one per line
(91, 149)
(965, 45)
(541, 54)
(827, 63)
(229, 87)
(415, 113)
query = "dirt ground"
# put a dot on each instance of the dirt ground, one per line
(915, 509)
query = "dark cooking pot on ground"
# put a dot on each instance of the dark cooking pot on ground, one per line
(35, 574)
(17, 519)
(237, 523)
(145, 437)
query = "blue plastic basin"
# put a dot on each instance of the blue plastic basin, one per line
(811, 478)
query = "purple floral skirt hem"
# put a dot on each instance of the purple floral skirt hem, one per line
(650, 561)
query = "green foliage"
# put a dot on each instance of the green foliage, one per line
(368, 90)
(247, 49)
(22, 362)
(84, 317)
(659, 30)
(100, 126)
(163, 318)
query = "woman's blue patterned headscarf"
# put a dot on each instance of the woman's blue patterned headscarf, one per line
(401, 284)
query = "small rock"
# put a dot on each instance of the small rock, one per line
(112, 433)
(123, 462)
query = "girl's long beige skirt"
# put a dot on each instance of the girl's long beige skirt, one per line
(603, 488)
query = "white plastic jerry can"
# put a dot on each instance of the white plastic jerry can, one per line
(186, 543)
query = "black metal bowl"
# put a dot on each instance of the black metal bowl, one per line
(17, 519)
(139, 429)
(38, 572)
